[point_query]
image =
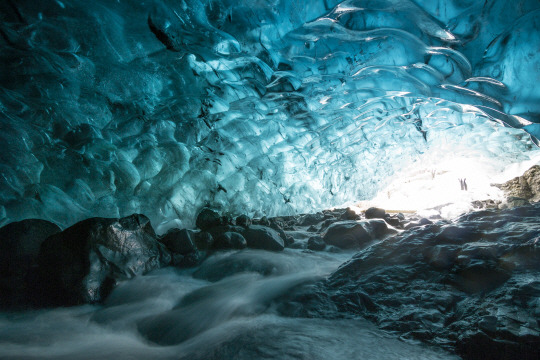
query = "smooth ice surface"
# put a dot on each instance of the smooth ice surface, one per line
(258, 107)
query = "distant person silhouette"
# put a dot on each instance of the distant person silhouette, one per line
(463, 183)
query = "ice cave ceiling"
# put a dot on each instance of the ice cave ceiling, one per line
(254, 106)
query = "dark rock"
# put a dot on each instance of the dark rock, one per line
(375, 213)
(289, 227)
(286, 238)
(392, 220)
(378, 228)
(286, 222)
(313, 228)
(82, 263)
(262, 237)
(20, 243)
(177, 259)
(226, 220)
(348, 234)
(289, 240)
(276, 223)
(316, 243)
(203, 240)
(243, 220)
(219, 230)
(190, 260)
(179, 241)
(458, 234)
(480, 276)
(333, 214)
(401, 216)
(230, 240)
(262, 221)
(326, 224)
(291, 219)
(207, 219)
(298, 245)
(333, 249)
(424, 221)
(411, 225)
(311, 219)
(482, 345)
(19, 248)
(441, 257)
(470, 285)
(349, 214)
(488, 323)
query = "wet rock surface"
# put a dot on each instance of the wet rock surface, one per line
(354, 234)
(375, 213)
(19, 248)
(179, 241)
(83, 263)
(316, 243)
(262, 237)
(243, 220)
(207, 219)
(471, 285)
(230, 240)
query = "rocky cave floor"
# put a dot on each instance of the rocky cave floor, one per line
(470, 285)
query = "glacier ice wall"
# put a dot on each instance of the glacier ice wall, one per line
(251, 106)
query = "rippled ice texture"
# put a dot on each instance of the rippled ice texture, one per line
(196, 319)
(260, 107)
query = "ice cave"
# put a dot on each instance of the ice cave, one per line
(270, 179)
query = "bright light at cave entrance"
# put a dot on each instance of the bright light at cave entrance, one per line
(432, 185)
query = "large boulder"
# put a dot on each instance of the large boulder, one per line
(20, 243)
(349, 214)
(525, 187)
(311, 219)
(219, 230)
(182, 246)
(203, 240)
(316, 243)
(179, 241)
(83, 263)
(243, 220)
(230, 240)
(226, 237)
(207, 219)
(375, 213)
(354, 234)
(19, 248)
(392, 220)
(263, 237)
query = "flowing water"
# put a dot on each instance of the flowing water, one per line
(224, 309)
